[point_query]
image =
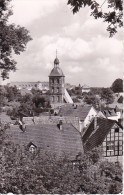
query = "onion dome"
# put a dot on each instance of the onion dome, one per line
(56, 61)
(56, 71)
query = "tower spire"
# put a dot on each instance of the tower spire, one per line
(56, 53)
(56, 61)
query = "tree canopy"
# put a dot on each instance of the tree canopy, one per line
(113, 16)
(90, 99)
(107, 95)
(40, 172)
(13, 40)
(117, 86)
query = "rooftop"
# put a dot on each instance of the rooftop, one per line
(80, 111)
(94, 137)
(56, 71)
(49, 138)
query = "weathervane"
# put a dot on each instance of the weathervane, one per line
(56, 53)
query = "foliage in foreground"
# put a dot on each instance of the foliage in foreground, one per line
(13, 40)
(113, 15)
(44, 173)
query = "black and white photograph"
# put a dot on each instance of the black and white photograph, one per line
(61, 97)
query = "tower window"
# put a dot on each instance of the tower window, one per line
(58, 98)
(58, 90)
(52, 98)
(58, 81)
(52, 89)
(52, 80)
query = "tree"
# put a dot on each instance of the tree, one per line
(13, 39)
(114, 15)
(95, 90)
(3, 99)
(117, 86)
(41, 172)
(120, 100)
(39, 101)
(90, 98)
(107, 95)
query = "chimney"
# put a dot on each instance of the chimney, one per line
(60, 125)
(95, 122)
(75, 106)
(22, 126)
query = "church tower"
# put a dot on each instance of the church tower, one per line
(56, 84)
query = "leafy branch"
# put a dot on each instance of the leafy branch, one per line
(114, 18)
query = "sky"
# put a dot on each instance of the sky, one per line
(86, 53)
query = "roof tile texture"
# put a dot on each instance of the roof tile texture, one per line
(71, 110)
(94, 137)
(49, 138)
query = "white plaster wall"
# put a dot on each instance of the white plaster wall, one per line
(92, 113)
(115, 159)
(85, 90)
(114, 117)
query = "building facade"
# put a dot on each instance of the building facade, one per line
(56, 84)
(113, 144)
(30, 85)
(108, 134)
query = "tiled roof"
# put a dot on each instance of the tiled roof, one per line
(94, 137)
(119, 105)
(56, 71)
(80, 111)
(108, 112)
(49, 138)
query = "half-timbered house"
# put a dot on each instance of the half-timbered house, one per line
(108, 134)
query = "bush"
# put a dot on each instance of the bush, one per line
(23, 172)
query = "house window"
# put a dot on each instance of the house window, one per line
(116, 130)
(110, 145)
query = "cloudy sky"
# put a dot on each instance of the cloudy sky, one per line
(87, 55)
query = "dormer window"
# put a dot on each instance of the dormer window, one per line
(32, 147)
